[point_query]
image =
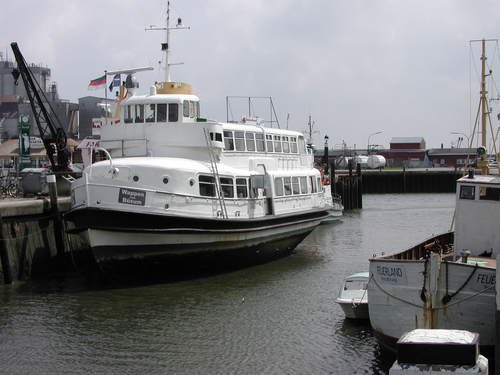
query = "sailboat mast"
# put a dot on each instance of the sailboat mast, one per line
(484, 102)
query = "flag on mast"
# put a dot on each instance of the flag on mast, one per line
(96, 83)
(115, 82)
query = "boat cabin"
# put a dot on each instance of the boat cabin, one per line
(477, 215)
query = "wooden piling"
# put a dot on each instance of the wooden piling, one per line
(4, 256)
(350, 188)
(56, 215)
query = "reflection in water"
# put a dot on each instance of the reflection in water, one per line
(274, 318)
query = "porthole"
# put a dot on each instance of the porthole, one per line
(135, 178)
(167, 206)
(165, 180)
(191, 181)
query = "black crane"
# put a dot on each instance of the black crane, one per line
(51, 130)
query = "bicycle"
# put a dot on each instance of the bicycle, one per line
(9, 187)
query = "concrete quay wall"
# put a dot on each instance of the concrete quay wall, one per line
(29, 230)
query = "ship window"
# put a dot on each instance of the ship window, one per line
(185, 109)
(318, 183)
(228, 140)
(355, 285)
(312, 181)
(173, 112)
(226, 185)
(287, 182)
(489, 194)
(302, 145)
(277, 143)
(139, 113)
(256, 182)
(303, 185)
(207, 186)
(192, 109)
(467, 192)
(150, 112)
(250, 141)
(128, 115)
(295, 185)
(216, 136)
(161, 115)
(278, 186)
(286, 146)
(197, 109)
(241, 188)
(239, 141)
(269, 142)
(293, 145)
(259, 142)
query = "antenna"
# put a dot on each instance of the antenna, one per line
(165, 46)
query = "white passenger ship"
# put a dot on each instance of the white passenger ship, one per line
(178, 187)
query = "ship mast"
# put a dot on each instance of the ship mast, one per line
(165, 47)
(484, 108)
(484, 93)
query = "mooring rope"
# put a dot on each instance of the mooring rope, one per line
(442, 307)
(392, 295)
(447, 298)
(465, 298)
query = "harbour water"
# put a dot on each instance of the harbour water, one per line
(276, 318)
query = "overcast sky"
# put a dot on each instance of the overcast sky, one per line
(402, 67)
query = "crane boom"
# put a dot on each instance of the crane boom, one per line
(51, 130)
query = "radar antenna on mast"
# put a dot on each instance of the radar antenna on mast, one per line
(165, 47)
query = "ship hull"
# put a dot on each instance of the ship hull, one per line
(411, 293)
(354, 310)
(123, 240)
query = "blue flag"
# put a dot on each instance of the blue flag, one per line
(115, 82)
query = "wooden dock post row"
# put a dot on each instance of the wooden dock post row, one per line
(410, 181)
(349, 186)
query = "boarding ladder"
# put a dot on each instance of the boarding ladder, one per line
(215, 172)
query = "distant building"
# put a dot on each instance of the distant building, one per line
(452, 157)
(407, 143)
(9, 152)
(92, 107)
(14, 101)
(406, 152)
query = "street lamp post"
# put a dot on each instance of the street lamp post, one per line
(325, 155)
(468, 139)
(368, 144)
(469, 145)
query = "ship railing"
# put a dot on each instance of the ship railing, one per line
(442, 244)
(112, 169)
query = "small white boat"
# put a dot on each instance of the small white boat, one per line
(353, 297)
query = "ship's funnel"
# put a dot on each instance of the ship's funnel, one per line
(173, 88)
